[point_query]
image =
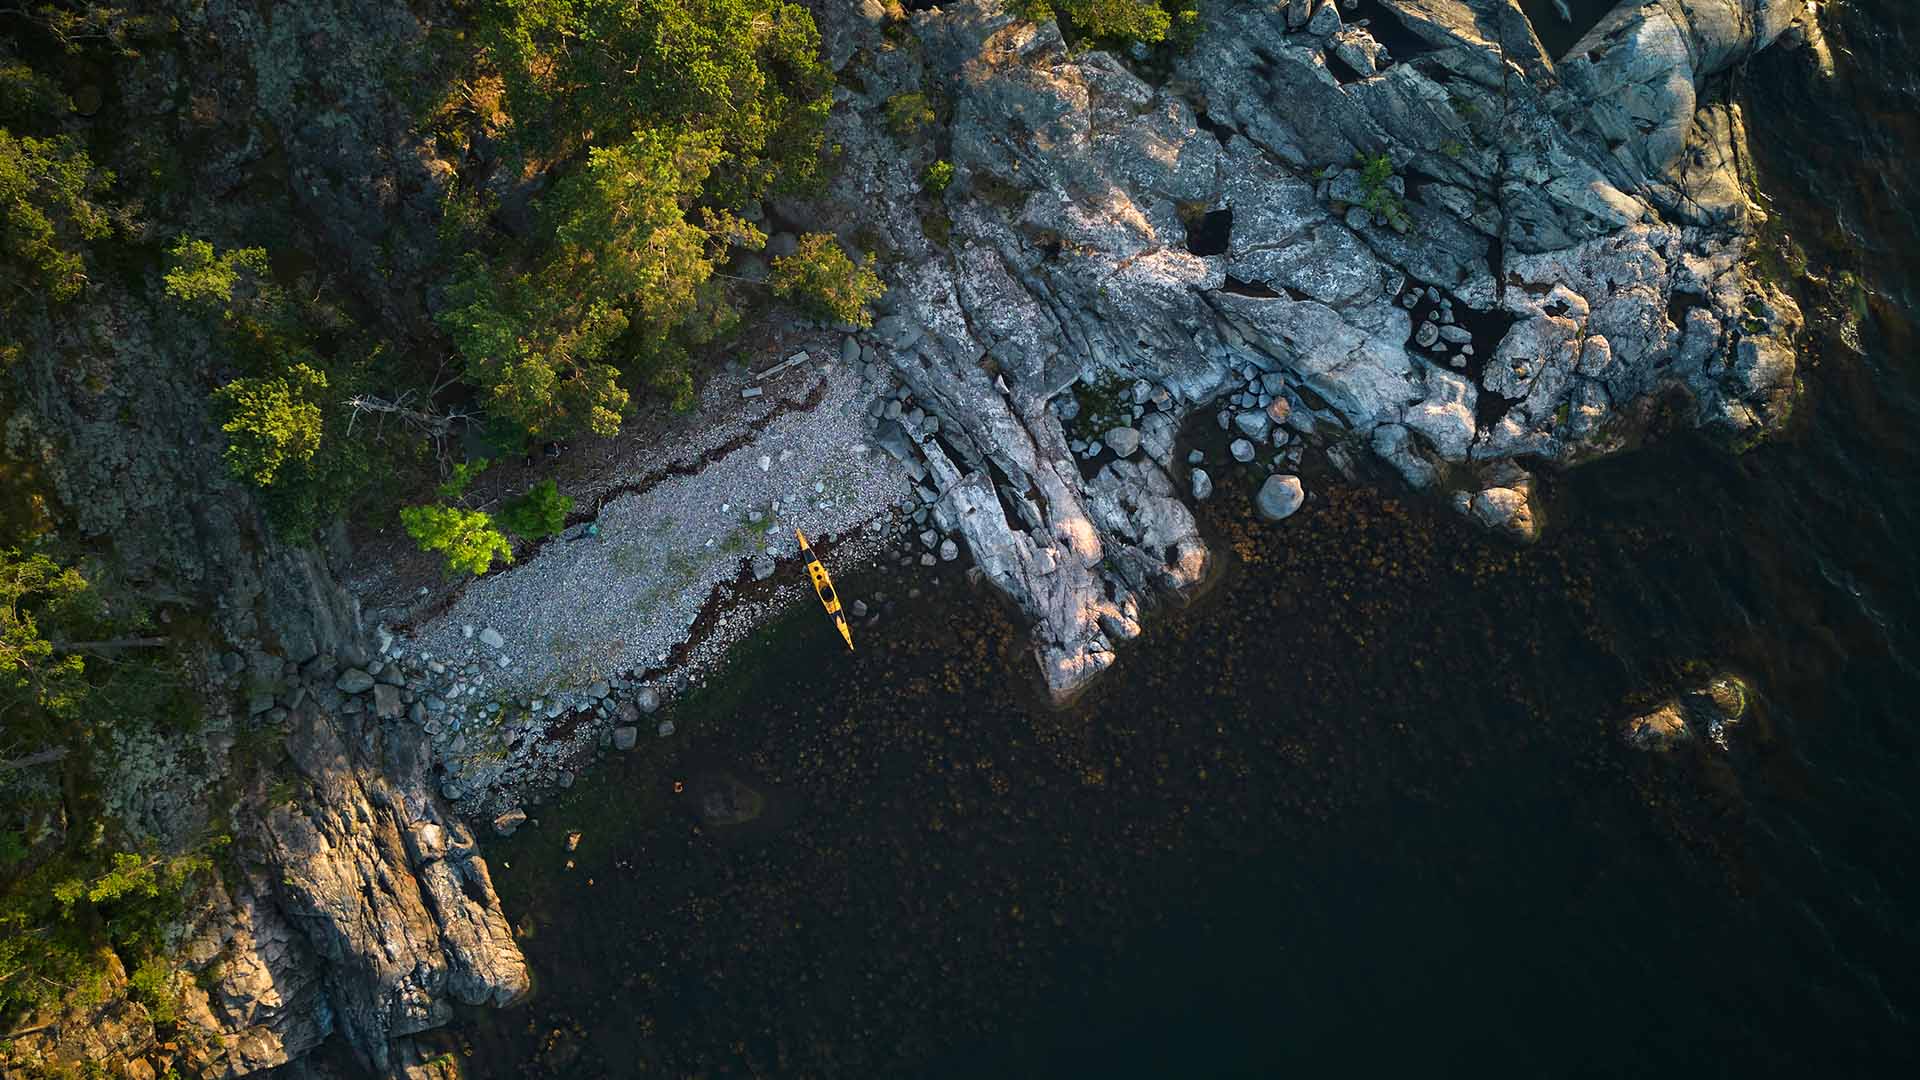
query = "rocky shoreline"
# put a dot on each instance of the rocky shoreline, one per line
(1467, 262)
(1459, 257)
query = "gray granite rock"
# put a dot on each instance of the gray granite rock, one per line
(1279, 497)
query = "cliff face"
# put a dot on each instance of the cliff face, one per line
(1456, 255)
(354, 903)
(385, 885)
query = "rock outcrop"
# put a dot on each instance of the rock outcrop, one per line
(386, 886)
(1460, 256)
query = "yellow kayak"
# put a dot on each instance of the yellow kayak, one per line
(823, 586)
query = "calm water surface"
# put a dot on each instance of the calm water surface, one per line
(1364, 806)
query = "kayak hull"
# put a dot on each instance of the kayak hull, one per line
(823, 588)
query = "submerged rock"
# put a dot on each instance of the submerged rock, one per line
(722, 800)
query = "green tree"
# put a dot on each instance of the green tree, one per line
(667, 117)
(271, 421)
(823, 280)
(48, 209)
(747, 71)
(33, 679)
(542, 511)
(630, 263)
(200, 275)
(467, 538)
(464, 474)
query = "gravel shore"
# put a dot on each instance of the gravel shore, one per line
(590, 608)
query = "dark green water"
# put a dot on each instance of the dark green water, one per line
(1364, 807)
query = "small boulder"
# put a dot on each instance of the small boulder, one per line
(625, 737)
(648, 699)
(1202, 484)
(1123, 440)
(949, 551)
(1252, 423)
(1279, 497)
(1662, 729)
(354, 681)
(1241, 449)
(506, 823)
(491, 639)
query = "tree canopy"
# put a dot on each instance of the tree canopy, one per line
(667, 117)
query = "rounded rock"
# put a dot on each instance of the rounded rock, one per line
(1279, 497)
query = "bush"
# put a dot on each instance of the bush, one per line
(542, 511)
(1376, 176)
(467, 538)
(270, 422)
(151, 984)
(825, 282)
(938, 176)
(908, 112)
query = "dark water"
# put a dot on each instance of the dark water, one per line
(1559, 34)
(1365, 805)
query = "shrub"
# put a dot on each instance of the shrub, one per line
(825, 282)
(1147, 21)
(270, 422)
(467, 538)
(938, 176)
(542, 511)
(908, 112)
(1376, 176)
(151, 984)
